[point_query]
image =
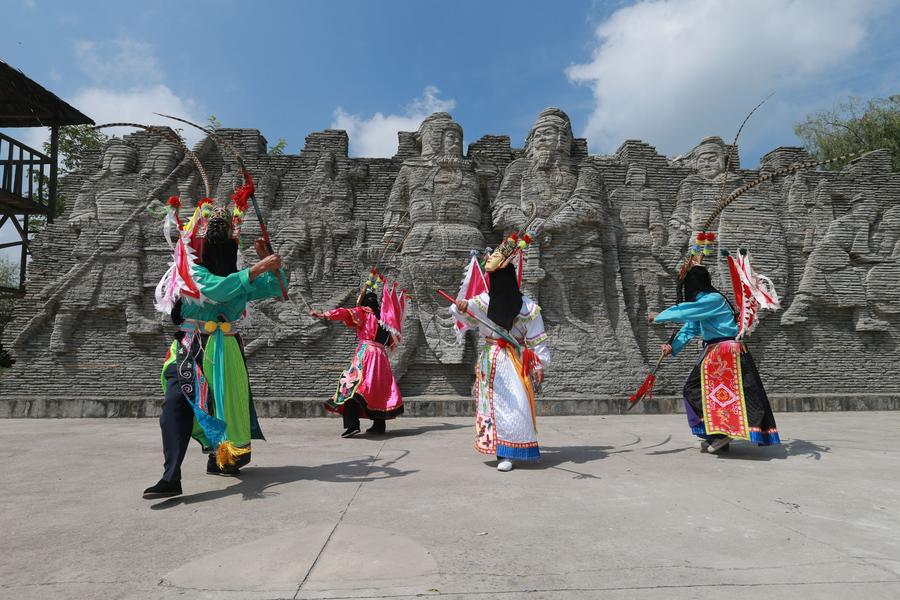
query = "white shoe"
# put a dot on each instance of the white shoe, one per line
(505, 465)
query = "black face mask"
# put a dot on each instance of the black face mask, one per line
(695, 281)
(505, 297)
(370, 299)
(220, 258)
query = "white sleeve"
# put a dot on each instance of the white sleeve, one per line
(478, 307)
(536, 336)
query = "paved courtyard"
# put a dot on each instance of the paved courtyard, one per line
(620, 507)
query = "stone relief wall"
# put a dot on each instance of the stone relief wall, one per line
(88, 342)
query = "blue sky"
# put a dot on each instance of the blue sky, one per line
(667, 72)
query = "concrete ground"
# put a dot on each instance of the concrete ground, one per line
(620, 507)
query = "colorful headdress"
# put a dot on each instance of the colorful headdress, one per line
(700, 249)
(241, 196)
(393, 304)
(513, 244)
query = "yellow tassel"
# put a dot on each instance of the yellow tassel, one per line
(227, 453)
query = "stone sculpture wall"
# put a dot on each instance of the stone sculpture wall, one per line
(88, 342)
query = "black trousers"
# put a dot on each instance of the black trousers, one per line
(176, 423)
(351, 416)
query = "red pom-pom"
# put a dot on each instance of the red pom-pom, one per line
(174, 202)
(514, 237)
(711, 237)
(203, 201)
(526, 238)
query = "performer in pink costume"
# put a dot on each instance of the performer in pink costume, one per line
(367, 388)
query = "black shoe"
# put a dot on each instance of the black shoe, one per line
(212, 468)
(163, 489)
(350, 431)
(376, 429)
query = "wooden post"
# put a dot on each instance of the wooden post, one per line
(24, 265)
(54, 160)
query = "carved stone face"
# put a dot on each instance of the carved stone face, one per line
(120, 159)
(710, 165)
(548, 138)
(163, 159)
(636, 176)
(451, 142)
(440, 135)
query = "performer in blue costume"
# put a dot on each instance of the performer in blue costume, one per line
(724, 396)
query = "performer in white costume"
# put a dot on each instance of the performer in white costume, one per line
(512, 357)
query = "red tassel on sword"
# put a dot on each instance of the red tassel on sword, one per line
(645, 392)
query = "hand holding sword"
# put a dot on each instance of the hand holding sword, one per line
(463, 306)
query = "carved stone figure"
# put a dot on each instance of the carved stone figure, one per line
(567, 260)
(883, 281)
(436, 205)
(697, 197)
(162, 160)
(755, 222)
(594, 270)
(699, 191)
(641, 236)
(797, 216)
(317, 230)
(115, 279)
(836, 272)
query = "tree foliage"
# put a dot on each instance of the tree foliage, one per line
(278, 148)
(853, 126)
(74, 142)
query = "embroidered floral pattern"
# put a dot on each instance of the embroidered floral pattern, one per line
(350, 378)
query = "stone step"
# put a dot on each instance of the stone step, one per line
(431, 406)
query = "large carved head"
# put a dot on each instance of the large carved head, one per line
(708, 158)
(551, 135)
(440, 135)
(119, 157)
(636, 176)
(163, 159)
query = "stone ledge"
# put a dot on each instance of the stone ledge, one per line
(430, 406)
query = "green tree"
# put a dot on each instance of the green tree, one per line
(853, 126)
(278, 148)
(74, 141)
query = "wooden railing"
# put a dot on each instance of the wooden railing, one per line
(26, 174)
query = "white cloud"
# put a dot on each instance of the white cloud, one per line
(128, 84)
(672, 72)
(138, 105)
(124, 61)
(376, 136)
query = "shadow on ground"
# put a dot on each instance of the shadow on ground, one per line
(792, 448)
(257, 482)
(411, 431)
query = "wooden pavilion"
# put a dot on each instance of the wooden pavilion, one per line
(28, 178)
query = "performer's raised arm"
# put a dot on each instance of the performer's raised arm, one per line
(240, 284)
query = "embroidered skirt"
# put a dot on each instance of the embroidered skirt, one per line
(724, 395)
